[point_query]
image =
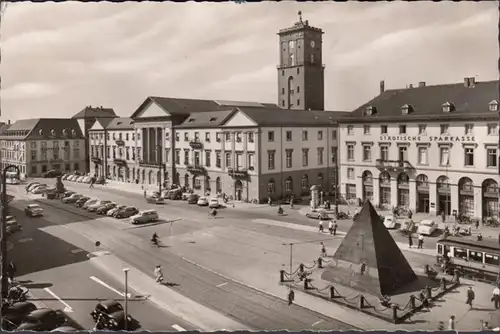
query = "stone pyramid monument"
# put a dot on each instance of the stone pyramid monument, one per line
(368, 259)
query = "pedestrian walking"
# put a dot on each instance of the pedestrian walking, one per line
(269, 201)
(11, 271)
(451, 323)
(469, 230)
(159, 274)
(410, 214)
(291, 297)
(470, 297)
(420, 241)
(320, 226)
(335, 228)
(330, 227)
(410, 240)
(323, 249)
(443, 216)
(144, 193)
(495, 298)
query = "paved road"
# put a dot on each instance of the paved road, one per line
(256, 309)
(46, 262)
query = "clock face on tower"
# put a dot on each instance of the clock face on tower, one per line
(312, 44)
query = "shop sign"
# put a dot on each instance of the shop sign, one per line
(446, 139)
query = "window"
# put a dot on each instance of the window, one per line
(251, 161)
(186, 136)
(282, 91)
(228, 160)
(167, 154)
(422, 129)
(33, 155)
(366, 129)
(460, 253)
(320, 135)
(305, 182)
(334, 134)
(469, 156)
(238, 137)
(444, 129)
(491, 259)
(217, 137)
(298, 87)
(475, 256)
(120, 136)
(289, 136)
(305, 157)
(270, 187)
(367, 153)
(167, 136)
(177, 136)
(469, 128)
(177, 156)
(67, 167)
(270, 160)
(270, 136)
(402, 129)
(492, 129)
(384, 153)
(298, 102)
(320, 155)
(127, 136)
(350, 129)
(350, 191)
(288, 158)
(289, 184)
(250, 137)
(197, 160)
(491, 157)
(207, 158)
(445, 155)
(186, 157)
(127, 151)
(304, 135)
(218, 160)
(422, 155)
(350, 173)
(282, 104)
(334, 155)
(197, 136)
(383, 129)
(33, 170)
(350, 152)
(227, 136)
(207, 136)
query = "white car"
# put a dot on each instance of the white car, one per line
(390, 222)
(34, 186)
(115, 210)
(87, 179)
(202, 201)
(96, 205)
(73, 178)
(90, 202)
(11, 180)
(214, 203)
(145, 216)
(39, 189)
(426, 227)
(80, 179)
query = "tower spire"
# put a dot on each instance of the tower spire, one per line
(300, 16)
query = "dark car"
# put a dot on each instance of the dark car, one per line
(30, 185)
(82, 201)
(129, 211)
(44, 319)
(105, 208)
(113, 314)
(15, 314)
(52, 173)
(193, 199)
(68, 193)
(155, 199)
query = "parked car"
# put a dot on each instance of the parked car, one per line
(95, 206)
(13, 226)
(80, 179)
(105, 208)
(193, 199)
(31, 184)
(65, 176)
(426, 227)
(407, 226)
(90, 202)
(16, 313)
(35, 185)
(80, 202)
(73, 178)
(127, 212)
(68, 193)
(317, 214)
(112, 212)
(145, 216)
(390, 222)
(33, 210)
(155, 200)
(39, 189)
(12, 180)
(72, 198)
(52, 173)
(113, 313)
(214, 203)
(202, 201)
(44, 319)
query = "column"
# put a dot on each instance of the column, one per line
(145, 144)
(394, 191)
(376, 191)
(478, 202)
(245, 150)
(257, 156)
(152, 147)
(413, 195)
(233, 150)
(454, 205)
(223, 151)
(359, 184)
(432, 198)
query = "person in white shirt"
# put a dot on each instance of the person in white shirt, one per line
(451, 323)
(158, 274)
(420, 241)
(495, 298)
(330, 227)
(321, 226)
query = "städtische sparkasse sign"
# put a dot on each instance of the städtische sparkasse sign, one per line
(445, 139)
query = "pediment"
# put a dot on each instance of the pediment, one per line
(152, 110)
(96, 126)
(239, 119)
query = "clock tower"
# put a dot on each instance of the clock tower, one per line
(301, 73)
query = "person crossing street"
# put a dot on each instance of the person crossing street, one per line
(159, 274)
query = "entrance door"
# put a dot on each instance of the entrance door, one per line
(444, 204)
(423, 203)
(238, 187)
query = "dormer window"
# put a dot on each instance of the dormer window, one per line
(191, 120)
(406, 109)
(40, 132)
(370, 110)
(493, 105)
(448, 107)
(213, 119)
(65, 132)
(73, 133)
(53, 132)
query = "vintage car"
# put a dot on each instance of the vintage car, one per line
(16, 313)
(214, 203)
(44, 319)
(126, 212)
(390, 222)
(426, 227)
(145, 216)
(33, 210)
(113, 314)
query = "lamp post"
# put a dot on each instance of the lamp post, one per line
(125, 325)
(3, 241)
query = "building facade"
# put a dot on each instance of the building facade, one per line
(36, 146)
(431, 149)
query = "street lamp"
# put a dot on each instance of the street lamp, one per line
(3, 241)
(125, 325)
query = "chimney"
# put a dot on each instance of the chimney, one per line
(410, 86)
(421, 84)
(8, 122)
(382, 86)
(472, 82)
(466, 82)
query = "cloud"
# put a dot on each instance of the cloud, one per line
(29, 90)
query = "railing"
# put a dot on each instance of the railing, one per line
(196, 169)
(393, 164)
(96, 159)
(196, 144)
(145, 163)
(120, 142)
(119, 161)
(237, 171)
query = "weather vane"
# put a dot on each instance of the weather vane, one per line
(300, 16)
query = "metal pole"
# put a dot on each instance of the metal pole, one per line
(3, 244)
(125, 325)
(291, 252)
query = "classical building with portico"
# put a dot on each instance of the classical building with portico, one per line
(431, 149)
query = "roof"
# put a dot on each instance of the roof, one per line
(207, 119)
(3, 126)
(427, 102)
(43, 128)
(288, 117)
(369, 242)
(120, 123)
(94, 112)
(103, 121)
(181, 106)
(491, 243)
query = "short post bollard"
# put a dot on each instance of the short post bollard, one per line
(428, 292)
(361, 301)
(443, 283)
(332, 292)
(395, 313)
(456, 273)
(282, 276)
(412, 302)
(306, 283)
(320, 263)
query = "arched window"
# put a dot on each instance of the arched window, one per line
(289, 184)
(385, 178)
(271, 187)
(403, 179)
(466, 184)
(305, 182)
(367, 177)
(490, 186)
(442, 182)
(422, 181)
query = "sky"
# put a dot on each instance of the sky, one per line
(58, 58)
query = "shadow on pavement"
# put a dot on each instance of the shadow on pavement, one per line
(35, 250)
